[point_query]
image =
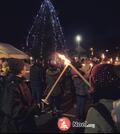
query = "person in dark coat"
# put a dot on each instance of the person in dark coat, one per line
(52, 73)
(36, 81)
(81, 91)
(17, 102)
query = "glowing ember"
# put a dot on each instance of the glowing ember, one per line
(66, 61)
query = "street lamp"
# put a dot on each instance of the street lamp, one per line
(78, 39)
(107, 50)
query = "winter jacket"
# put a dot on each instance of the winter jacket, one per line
(80, 86)
(51, 77)
(16, 105)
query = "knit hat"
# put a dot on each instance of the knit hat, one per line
(104, 75)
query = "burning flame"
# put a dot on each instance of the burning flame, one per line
(83, 65)
(91, 64)
(62, 57)
(111, 60)
(108, 62)
(103, 56)
(117, 58)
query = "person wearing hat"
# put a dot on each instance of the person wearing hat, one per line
(105, 83)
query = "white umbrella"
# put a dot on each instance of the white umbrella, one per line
(8, 51)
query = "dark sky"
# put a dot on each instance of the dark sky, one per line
(98, 21)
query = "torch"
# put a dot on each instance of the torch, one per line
(66, 62)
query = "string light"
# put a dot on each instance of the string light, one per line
(46, 31)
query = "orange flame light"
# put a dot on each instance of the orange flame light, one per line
(91, 65)
(103, 56)
(62, 57)
(67, 62)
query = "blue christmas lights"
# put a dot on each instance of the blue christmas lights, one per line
(46, 31)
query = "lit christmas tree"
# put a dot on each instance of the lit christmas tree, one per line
(45, 35)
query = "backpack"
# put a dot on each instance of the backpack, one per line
(105, 113)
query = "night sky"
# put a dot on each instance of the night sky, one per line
(97, 21)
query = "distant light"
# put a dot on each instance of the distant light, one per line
(103, 56)
(31, 58)
(111, 60)
(107, 50)
(76, 58)
(78, 38)
(116, 63)
(108, 62)
(117, 59)
(91, 65)
(91, 49)
(92, 53)
(83, 65)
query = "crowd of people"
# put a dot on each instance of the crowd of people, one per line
(20, 100)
